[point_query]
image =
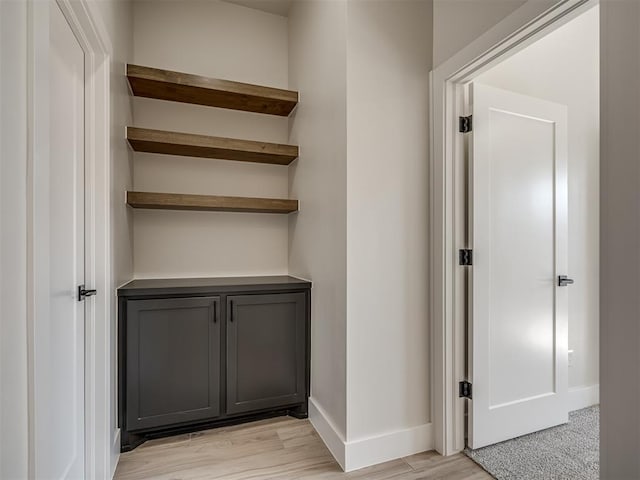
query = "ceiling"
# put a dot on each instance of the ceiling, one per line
(279, 7)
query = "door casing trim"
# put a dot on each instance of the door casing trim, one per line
(447, 296)
(99, 360)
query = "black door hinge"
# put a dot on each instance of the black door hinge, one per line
(464, 389)
(465, 124)
(465, 257)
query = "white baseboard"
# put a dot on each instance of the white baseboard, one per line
(330, 435)
(388, 446)
(365, 452)
(583, 397)
(115, 452)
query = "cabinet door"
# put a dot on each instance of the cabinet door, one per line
(266, 342)
(173, 361)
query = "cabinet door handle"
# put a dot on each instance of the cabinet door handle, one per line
(231, 311)
(215, 312)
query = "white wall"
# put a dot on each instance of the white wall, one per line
(116, 16)
(13, 238)
(317, 234)
(389, 59)
(566, 66)
(226, 41)
(619, 240)
(361, 235)
(461, 21)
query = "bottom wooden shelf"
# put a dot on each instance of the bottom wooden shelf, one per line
(211, 203)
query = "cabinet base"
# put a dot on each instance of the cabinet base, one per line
(131, 440)
(300, 412)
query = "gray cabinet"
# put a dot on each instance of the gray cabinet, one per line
(173, 368)
(199, 353)
(265, 351)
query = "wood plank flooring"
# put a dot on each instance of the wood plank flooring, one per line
(280, 448)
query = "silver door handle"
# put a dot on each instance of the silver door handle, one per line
(563, 281)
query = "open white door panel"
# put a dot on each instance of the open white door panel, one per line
(518, 230)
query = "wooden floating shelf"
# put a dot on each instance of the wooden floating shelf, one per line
(184, 87)
(190, 145)
(211, 203)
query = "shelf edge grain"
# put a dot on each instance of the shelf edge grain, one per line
(205, 146)
(210, 203)
(188, 88)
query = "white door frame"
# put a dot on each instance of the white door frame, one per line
(527, 24)
(92, 37)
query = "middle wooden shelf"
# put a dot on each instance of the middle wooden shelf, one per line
(205, 146)
(210, 203)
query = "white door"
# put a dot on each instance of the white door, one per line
(518, 230)
(59, 265)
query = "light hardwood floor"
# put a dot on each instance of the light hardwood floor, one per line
(280, 448)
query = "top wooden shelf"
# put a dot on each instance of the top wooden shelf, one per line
(183, 87)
